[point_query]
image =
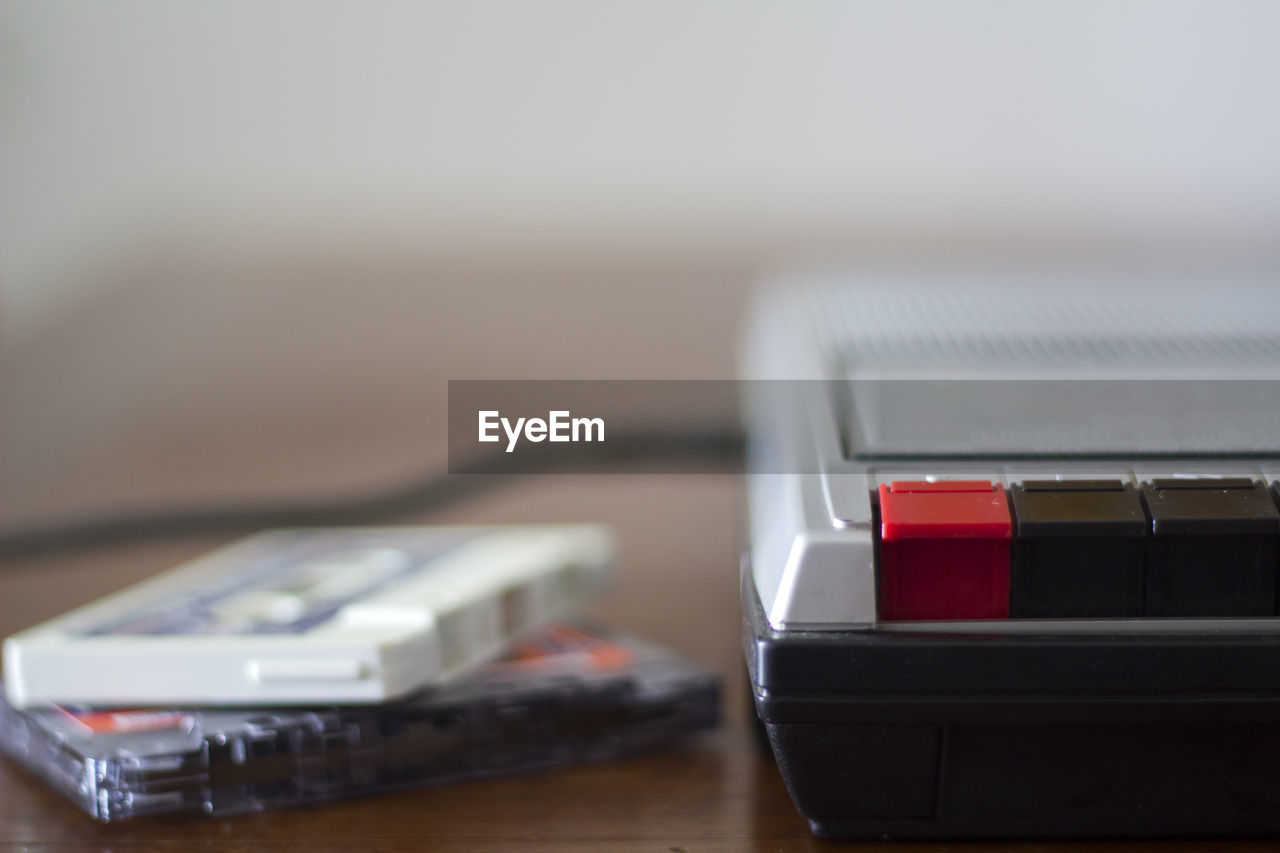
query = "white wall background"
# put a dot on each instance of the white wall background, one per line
(642, 126)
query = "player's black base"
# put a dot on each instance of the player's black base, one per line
(1010, 780)
(893, 735)
(759, 732)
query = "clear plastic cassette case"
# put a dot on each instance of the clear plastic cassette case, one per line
(571, 694)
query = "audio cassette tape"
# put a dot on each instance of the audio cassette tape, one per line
(302, 616)
(569, 693)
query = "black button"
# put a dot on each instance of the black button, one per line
(1213, 548)
(1078, 550)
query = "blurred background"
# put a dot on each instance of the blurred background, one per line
(243, 245)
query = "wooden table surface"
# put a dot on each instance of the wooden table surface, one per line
(160, 399)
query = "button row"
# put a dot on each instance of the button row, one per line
(970, 549)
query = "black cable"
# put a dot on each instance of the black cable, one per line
(702, 451)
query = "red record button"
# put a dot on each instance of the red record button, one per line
(944, 550)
